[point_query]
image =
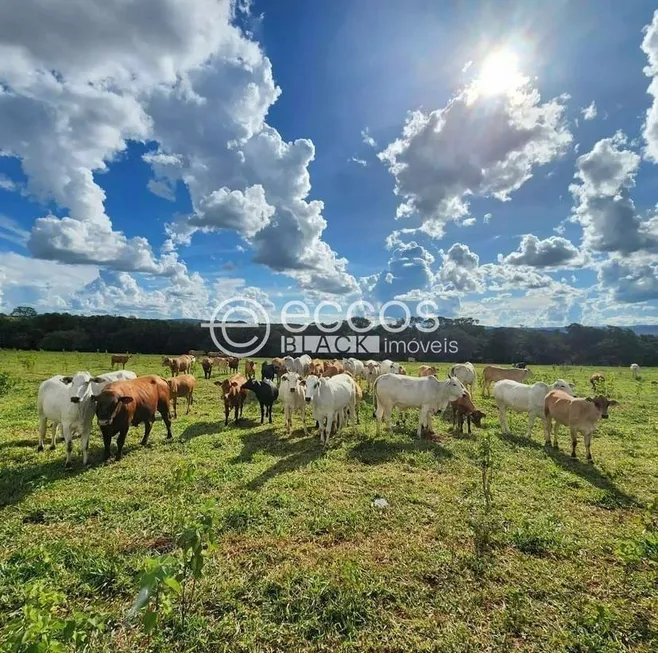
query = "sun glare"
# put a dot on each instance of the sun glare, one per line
(500, 74)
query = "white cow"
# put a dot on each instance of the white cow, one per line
(289, 362)
(292, 391)
(371, 370)
(330, 396)
(427, 393)
(523, 398)
(389, 367)
(355, 367)
(66, 402)
(304, 363)
(465, 372)
(635, 370)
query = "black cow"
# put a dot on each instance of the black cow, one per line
(267, 371)
(266, 393)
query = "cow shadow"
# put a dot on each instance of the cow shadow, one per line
(587, 471)
(380, 450)
(293, 452)
(201, 428)
(25, 442)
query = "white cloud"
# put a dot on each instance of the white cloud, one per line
(631, 280)
(650, 48)
(8, 184)
(487, 218)
(603, 205)
(469, 222)
(478, 146)
(162, 189)
(589, 112)
(553, 252)
(367, 138)
(11, 231)
(361, 162)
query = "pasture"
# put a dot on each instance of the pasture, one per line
(302, 561)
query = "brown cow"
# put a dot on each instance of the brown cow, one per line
(332, 369)
(233, 362)
(577, 413)
(427, 370)
(250, 369)
(123, 404)
(234, 396)
(206, 365)
(176, 365)
(317, 367)
(120, 359)
(596, 380)
(402, 370)
(491, 373)
(464, 407)
(182, 386)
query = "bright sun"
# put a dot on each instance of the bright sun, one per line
(500, 74)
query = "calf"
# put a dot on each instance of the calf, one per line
(249, 369)
(492, 373)
(427, 370)
(464, 407)
(120, 359)
(206, 364)
(266, 393)
(176, 365)
(465, 372)
(635, 370)
(233, 363)
(596, 380)
(332, 370)
(330, 397)
(267, 371)
(292, 391)
(402, 370)
(234, 396)
(123, 404)
(222, 364)
(371, 370)
(182, 386)
(578, 414)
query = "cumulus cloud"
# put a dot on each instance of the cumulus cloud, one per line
(650, 48)
(179, 74)
(630, 281)
(589, 112)
(162, 189)
(553, 252)
(460, 269)
(476, 146)
(603, 206)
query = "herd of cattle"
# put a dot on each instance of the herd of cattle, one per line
(330, 389)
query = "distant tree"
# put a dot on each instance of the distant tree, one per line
(23, 311)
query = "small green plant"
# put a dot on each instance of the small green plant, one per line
(6, 383)
(173, 577)
(28, 362)
(43, 623)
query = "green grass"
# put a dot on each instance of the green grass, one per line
(304, 562)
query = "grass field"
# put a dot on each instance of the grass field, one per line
(303, 561)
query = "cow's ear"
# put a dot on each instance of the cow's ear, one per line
(98, 379)
(125, 400)
(218, 383)
(612, 402)
(66, 380)
(75, 400)
(589, 399)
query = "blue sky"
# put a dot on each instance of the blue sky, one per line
(497, 158)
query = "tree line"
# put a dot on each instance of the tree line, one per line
(575, 344)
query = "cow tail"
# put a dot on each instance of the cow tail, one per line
(374, 396)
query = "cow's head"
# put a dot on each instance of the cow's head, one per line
(108, 404)
(602, 404)
(312, 383)
(477, 416)
(561, 384)
(455, 388)
(290, 381)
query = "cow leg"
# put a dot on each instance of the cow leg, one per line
(379, 414)
(166, 418)
(422, 419)
(147, 431)
(84, 444)
(53, 435)
(574, 441)
(588, 442)
(304, 418)
(122, 438)
(468, 421)
(227, 411)
(556, 428)
(42, 433)
(237, 412)
(531, 423)
(190, 400)
(175, 402)
(270, 412)
(547, 430)
(262, 413)
(502, 414)
(68, 438)
(107, 440)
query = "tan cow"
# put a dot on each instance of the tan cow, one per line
(222, 364)
(317, 367)
(464, 407)
(333, 369)
(427, 370)
(176, 365)
(402, 370)
(491, 374)
(580, 415)
(120, 359)
(250, 369)
(596, 380)
(234, 396)
(181, 386)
